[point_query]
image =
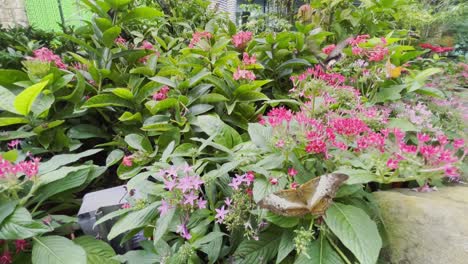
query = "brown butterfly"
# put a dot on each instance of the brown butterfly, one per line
(312, 197)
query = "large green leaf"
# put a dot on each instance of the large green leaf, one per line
(24, 100)
(207, 239)
(356, 231)
(260, 135)
(103, 100)
(143, 13)
(319, 252)
(9, 77)
(139, 257)
(57, 250)
(162, 225)
(261, 251)
(139, 142)
(20, 225)
(58, 174)
(7, 207)
(97, 251)
(110, 35)
(6, 100)
(134, 220)
(7, 121)
(286, 245)
(72, 180)
(59, 160)
(84, 131)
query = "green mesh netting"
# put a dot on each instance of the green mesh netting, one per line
(45, 14)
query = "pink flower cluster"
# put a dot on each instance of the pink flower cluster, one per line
(241, 39)
(120, 41)
(436, 49)
(184, 191)
(437, 153)
(197, 37)
(46, 55)
(241, 74)
(377, 53)
(248, 60)
(239, 183)
(29, 168)
(328, 49)
(161, 94)
(334, 79)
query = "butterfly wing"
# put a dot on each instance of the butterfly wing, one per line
(336, 54)
(286, 203)
(321, 192)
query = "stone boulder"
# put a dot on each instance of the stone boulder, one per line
(425, 228)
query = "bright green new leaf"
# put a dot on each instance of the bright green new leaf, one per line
(24, 100)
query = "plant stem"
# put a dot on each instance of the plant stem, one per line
(338, 250)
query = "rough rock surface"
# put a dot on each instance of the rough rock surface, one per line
(425, 228)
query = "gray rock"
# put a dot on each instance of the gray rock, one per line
(425, 228)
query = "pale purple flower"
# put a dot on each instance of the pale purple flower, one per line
(172, 171)
(170, 184)
(228, 201)
(187, 168)
(14, 143)
(164, 208)
(183, 231)
(221, 214)
(190, 198)
(201, 203)
(235, 183)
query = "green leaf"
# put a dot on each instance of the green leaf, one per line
(319, 252)
(115, 156)
(123, 93)
(282, 221)
(207, 239)
(356, 231)
(85, 131)
(25, 99)
(402, 124)
(58, 174)
(9, 77)
(261, 251)
(7, 207)
(260, 135)
(162, 225)
(213, 249)
(212, 98)
(71, 180)
(57, 250)
(103, 100)
(110, 35)
(139, 257)
(143, 13)
(358, 176)
(97, 251)
(286, 245)
(46, 126)
(163, 80)
(158, 106)
(20, 225)
(134, 220)
(7, 121)
(198, 77)
(5, 136)
(297, 62)
(139, 142)
(77, 94)
(6, 100)
(127, 117)
(252, 97)
(64, 159)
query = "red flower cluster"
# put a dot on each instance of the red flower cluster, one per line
(241, 39)
(197, 36)
(29, 168)
(46, 55)
(161, 94)
(436, 49)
